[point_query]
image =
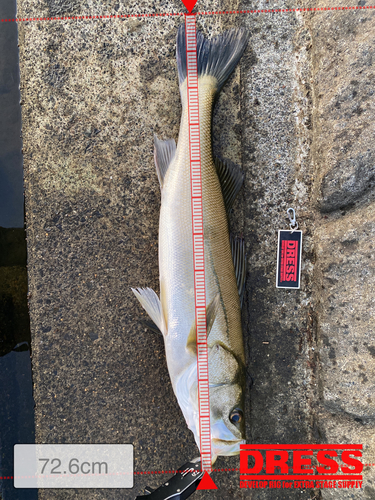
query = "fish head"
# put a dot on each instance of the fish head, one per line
(227, 420)
(226, 380)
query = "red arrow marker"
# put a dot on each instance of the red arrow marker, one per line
(206, 483)
(189, 4)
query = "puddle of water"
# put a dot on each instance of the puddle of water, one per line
(16, 401)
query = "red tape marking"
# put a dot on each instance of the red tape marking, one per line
(198, 242)
(157, 14)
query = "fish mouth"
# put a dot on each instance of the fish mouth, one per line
(226, 447)
(228, 442)
(221, 447)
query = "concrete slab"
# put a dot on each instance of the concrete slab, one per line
(94, 92)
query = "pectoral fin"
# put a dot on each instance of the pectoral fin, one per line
(151, 303)
(211, 313)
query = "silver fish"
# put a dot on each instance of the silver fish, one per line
(174, 313)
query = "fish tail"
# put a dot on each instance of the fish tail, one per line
(216, 57)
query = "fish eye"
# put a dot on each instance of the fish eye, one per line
(236, 416)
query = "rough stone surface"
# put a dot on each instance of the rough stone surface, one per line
(94, 92)
(346, 273)
(346, 412)
(343, 157)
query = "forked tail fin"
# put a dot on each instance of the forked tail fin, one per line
(216, 57)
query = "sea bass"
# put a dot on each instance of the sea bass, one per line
(174, 313)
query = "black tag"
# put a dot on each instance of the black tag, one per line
(289, 250)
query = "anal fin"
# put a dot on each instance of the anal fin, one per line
(164, 152)
(150, 325)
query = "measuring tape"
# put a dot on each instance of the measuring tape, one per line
(198, 242)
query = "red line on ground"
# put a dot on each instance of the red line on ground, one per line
(310, 476)
(166, 14)
(286, 476)
(301, 446)
(177, 471)
(139, 473)
(304, 477)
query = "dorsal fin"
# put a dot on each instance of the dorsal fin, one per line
(231, 179)
(164, 152)
(239, 261)
(211, 312)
